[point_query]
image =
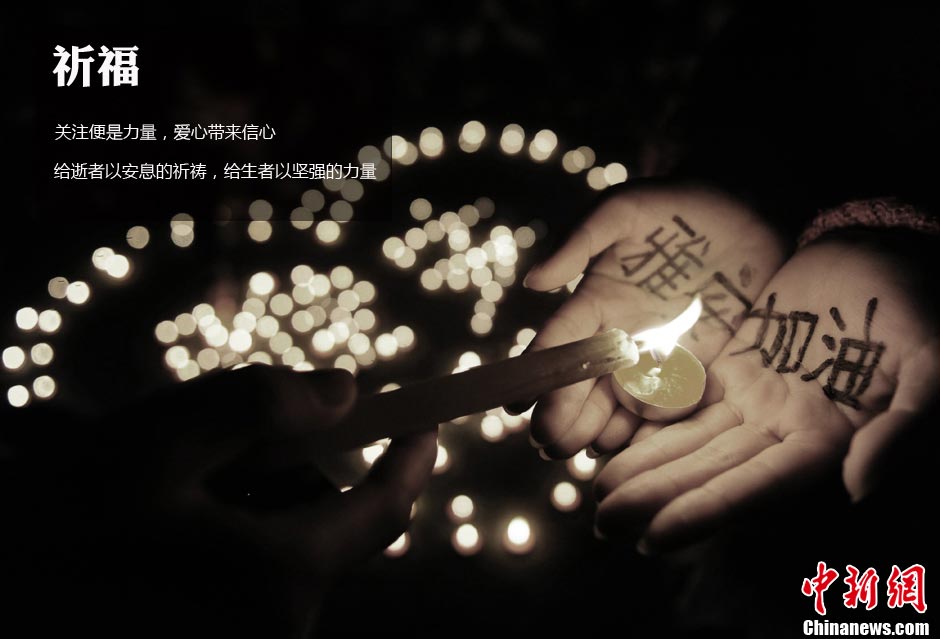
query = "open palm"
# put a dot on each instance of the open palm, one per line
(833, 361)
(655, 247)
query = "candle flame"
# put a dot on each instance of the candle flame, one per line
(661, 340)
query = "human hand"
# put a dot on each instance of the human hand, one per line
(190, 447)
(656, 246)
(834, 361)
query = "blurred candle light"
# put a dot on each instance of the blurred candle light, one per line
(341, 211)
(239, 340)
(473, 132)
(44, 387)
(512, 139)
(386, 345)
(431, 142)
(347, 362)
(543, 145)
(166, 332)
(58, 287)
(185, 324)
(581, 466)
(18, 396)
(466, 540)
(596, 179)
(328, 232)
(177, 356)
(261, 283)
(518, 537)
(461, 508)
(405, 337)
(118, 267)
(371, 453)
(41, 354)
(615, 173)
(566, 497)
(443, 460)
(13, 357)
(102, 257)
(260, 231)
(398, 547)
(49, 321)
(77, 293)
(138, 237)
(492, 428)
(420, 209)
(301, 218)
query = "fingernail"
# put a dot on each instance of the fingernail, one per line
(528, 276)
(591, 453)
(544, 455)
(598, 534)
(332, 387)
(643, 547)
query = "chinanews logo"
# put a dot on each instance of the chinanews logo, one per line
(902, 588)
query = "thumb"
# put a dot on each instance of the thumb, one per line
(870, 451)
(612, 222)
(316, 399)
(880, 440)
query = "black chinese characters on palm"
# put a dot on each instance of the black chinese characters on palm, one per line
(789, 335)
(672, 261)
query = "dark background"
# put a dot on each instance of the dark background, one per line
(796, 108)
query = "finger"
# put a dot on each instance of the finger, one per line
(273, 405)
(869, 450)
(556, 412)
(669, 444)
(714, 393)
(646, 430)
(375, 513)
(613, 221)
(633, 503)
(616, 434)
(798, 460)
(596, 412)
(240, 421)
(880, 439)
(577, 319)
(316, 400)
(323, 537)
(257, 399)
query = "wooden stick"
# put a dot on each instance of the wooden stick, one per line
(518, 379)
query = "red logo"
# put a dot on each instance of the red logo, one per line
(903, 587)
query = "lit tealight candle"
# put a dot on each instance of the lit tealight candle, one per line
(668, 381)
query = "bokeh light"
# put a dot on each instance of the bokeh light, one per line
(519, 538)
(312, 316)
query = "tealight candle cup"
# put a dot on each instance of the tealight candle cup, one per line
(661, 392)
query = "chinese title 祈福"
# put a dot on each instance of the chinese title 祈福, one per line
(118, 66)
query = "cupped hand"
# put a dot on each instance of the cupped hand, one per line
(656, 246)
(835, 360)
(185, 450)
